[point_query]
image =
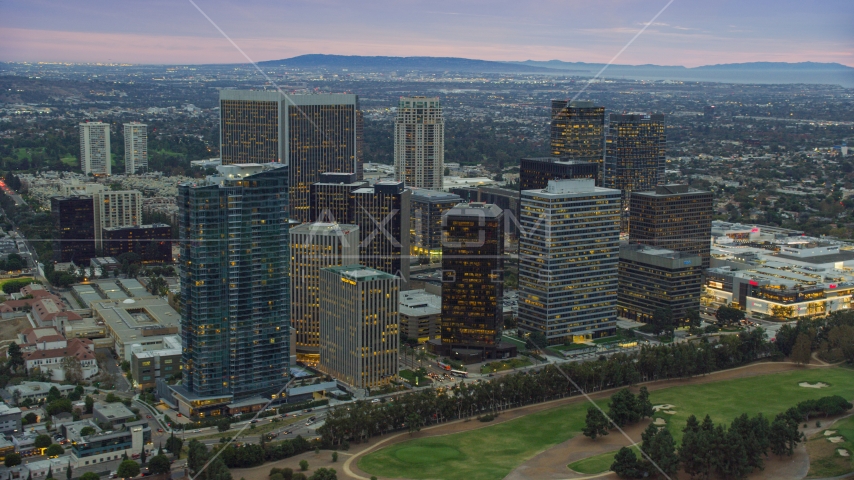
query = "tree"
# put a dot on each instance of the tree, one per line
(89, 476)
(174, 444)
(54, 450)
(90, 404)
(58, 406)
(303, 465)
(802, 351)
(643, 404)
(142, 456)
(334, 456)
(16, 357)
(783, 436)
(30, 418)
(86, 431)
(662, 320)
(626, 464)
(727, 315)
(43, 441)
(159, 465)
(12, 459)
(53, 394)
(128, 469)
(223, 425)
(324, 474)
(72, 369)
(622, 409)
(414, 422)
(694, 320)
(596, 424)
(68, 472)
(662, 451)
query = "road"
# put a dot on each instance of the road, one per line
(112, 366)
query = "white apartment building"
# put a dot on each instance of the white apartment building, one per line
(120, 208)
(315, 246)
(95, 148)
(569, 250)
(419, 143)
(136, 147)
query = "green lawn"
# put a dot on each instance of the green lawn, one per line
(501, 365)
(520, 344)
(411, 376)
(833, 465)
(492, 452)
(572, 346)
(595, 464)
(70, 160)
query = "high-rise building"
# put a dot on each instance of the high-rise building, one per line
(419, 142)
(569, 247)
(653, 278)
(578, 132)
(634, 154)
(675, 217)
(233, 231)
(153, 243)
(535, 173)
(323, 133)
(359, 332)
(73, 219)
(425, 223)
(472, 283)
(250, 126)
(116, 208)
(136, 147)
(95, 148)
(504, 198)
(332, 197)
(315, 246)
(382, 214)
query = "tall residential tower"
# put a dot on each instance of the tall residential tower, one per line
(136, 147)
(419, 142)
(95, 149)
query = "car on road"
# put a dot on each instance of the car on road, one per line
(159, 430)
(253, 421)
(196, 430)
(376, 400)
(149, 417)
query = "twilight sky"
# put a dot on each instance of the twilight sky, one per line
(688, 32)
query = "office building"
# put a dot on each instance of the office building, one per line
(250, 126)
(111, 445)
(425, 222)
(674, 217)
(147, 366)
(10, 419)
(95, 155)
(359, 337)
(136, 147)
(331, 198)
(315, 246)
(115, 208)
(634, 155)
(420, 315)
(535, 173)
(153, 242)
(323, 133)
(74, 224)
(382, 214)
(578, 132)
(419, 143)
(568, 255)
(472, 283)
(504, 198)
(233, 231)
(653, 278)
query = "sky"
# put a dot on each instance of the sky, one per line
(687, 32)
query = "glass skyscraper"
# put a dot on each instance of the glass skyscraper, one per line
(578, 132)
(419, 142)
(234, 286)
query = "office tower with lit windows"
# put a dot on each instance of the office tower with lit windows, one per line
(332, 197)
(472, 284)
(382, 214)
(675, 217)
(153, 242)
(315, 246)
(425, 222)
(535, 173)
(235, 326)
(569, 248)
(136, 147)
(419, 142)
(578, 132)
(653, 278)
(359, 325)
(95, 157)
(323, 133)
(73, 219)
(115, 208)
(250, 126)
(634, 154)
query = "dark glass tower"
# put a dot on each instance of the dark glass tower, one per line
(425, 222)
(578, 132)
(74, 220)
(382, 214)
(234, 286)
(535, 173)
(674, 217)
(332, 196)
(472, 280)
(634, 154)
(250, 126)
(653, 278)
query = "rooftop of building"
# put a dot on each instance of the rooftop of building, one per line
(31, 388)
(137, 227)
(427, 195)
(415, 303)
(841, 256)
(113, 411)
(79, 348)
(7, 410)
(671, 190)
(324, 228)
(360, 273)
(171, 347)
(130, 319)
(42, 334)
(568, 187)
(475, 209)
(559, 160)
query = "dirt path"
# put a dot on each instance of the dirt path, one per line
(347, 464)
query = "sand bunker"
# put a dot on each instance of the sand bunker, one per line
(835, 439)
(828, 433)
(842, 452)
(670, 412)
(665, 406)
(811, 385)
(661, 421)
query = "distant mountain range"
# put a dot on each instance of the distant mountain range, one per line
(754, 72)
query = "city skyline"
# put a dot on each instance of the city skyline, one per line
(686, 33)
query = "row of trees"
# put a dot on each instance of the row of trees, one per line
(832, 337)
(708, 448)
(624, 409)
(363, 420)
